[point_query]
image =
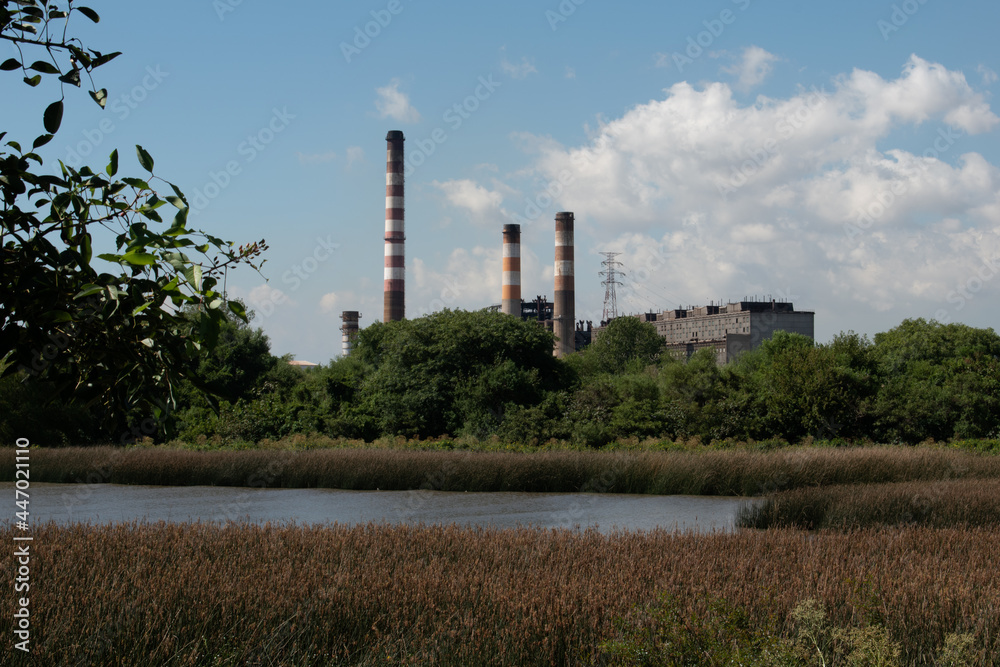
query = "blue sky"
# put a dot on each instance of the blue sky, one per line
(842, 155)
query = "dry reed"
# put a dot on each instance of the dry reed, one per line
(941, 504)
(365, 595)
(713, 472)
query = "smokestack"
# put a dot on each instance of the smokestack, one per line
(564, 301)
(393, 289)
(510, 298)
(349, 330)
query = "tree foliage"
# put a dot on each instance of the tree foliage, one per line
(101, 329)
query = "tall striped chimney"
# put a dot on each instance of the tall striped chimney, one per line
(510, 298)
(564, 301)
(349, 331)
(393, 289)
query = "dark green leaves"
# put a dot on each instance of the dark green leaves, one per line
(112, 167)
(53, 117)
(89, 13)
(44, 67)
(100, 96)
(145, 161)
(10, 64)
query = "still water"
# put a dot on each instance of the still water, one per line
(113, 503)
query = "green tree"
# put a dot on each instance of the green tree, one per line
(104, 332)
(454, 370)
(625, 343)
(937, 381)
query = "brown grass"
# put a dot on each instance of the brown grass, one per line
(951, 503)
(714, 472)
(366, 595)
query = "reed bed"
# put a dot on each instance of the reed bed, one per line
(950, 503)
(206, 594)
(712, 472)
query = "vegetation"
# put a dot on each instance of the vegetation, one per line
(745, 472)
(380, 595)
(946, 503)
(82, 333)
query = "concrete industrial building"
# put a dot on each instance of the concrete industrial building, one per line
(727, 330)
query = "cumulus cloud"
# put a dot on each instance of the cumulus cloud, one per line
(754, 66)
(395, 104)
(804, 196)
(469, 195)
(520, 70)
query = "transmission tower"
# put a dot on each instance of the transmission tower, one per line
(611, 274)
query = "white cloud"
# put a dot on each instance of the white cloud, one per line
(754, 66)
(469, 195)
(989, 76)
(518, 71)
(570, 72)
(804, 196)
(316, 158)
(395, 104)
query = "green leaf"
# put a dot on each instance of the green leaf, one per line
(10, 64)
(145, 161)
(139, 309)
(44, 67)
(176, 201)
(112, 167)
(89, 13)
(53, 117)
(71, 77)
(110, 257)
(136, 183)
(85, 249)
(237, 308)
(100, 60)
(58, 316)
(87, 290)
(139, 258)
(34, 80)
(41, 141)
(193, 275)
(100, 96)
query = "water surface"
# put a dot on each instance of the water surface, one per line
(114, 503)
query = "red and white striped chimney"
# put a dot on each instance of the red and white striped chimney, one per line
(564, 301)
(394, 289)
(510, 298)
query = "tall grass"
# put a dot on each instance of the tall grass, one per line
(711, 472)
(200, 594)
(940, 504)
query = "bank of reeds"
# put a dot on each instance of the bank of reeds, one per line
(940, 504)
(710, 472)
(197, 594)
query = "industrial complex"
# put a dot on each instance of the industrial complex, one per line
(728, 329)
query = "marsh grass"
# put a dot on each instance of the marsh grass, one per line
(205, 594)
(736, 472)
(946, 503)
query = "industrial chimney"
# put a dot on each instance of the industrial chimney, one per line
(510, 298)
(394, 291)
(349, 330)
(564, 301)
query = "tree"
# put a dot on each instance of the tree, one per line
(454, 369)
(625, 341)
(104, 332)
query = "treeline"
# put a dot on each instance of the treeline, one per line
(488, 376)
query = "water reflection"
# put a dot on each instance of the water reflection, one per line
(113, 503)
